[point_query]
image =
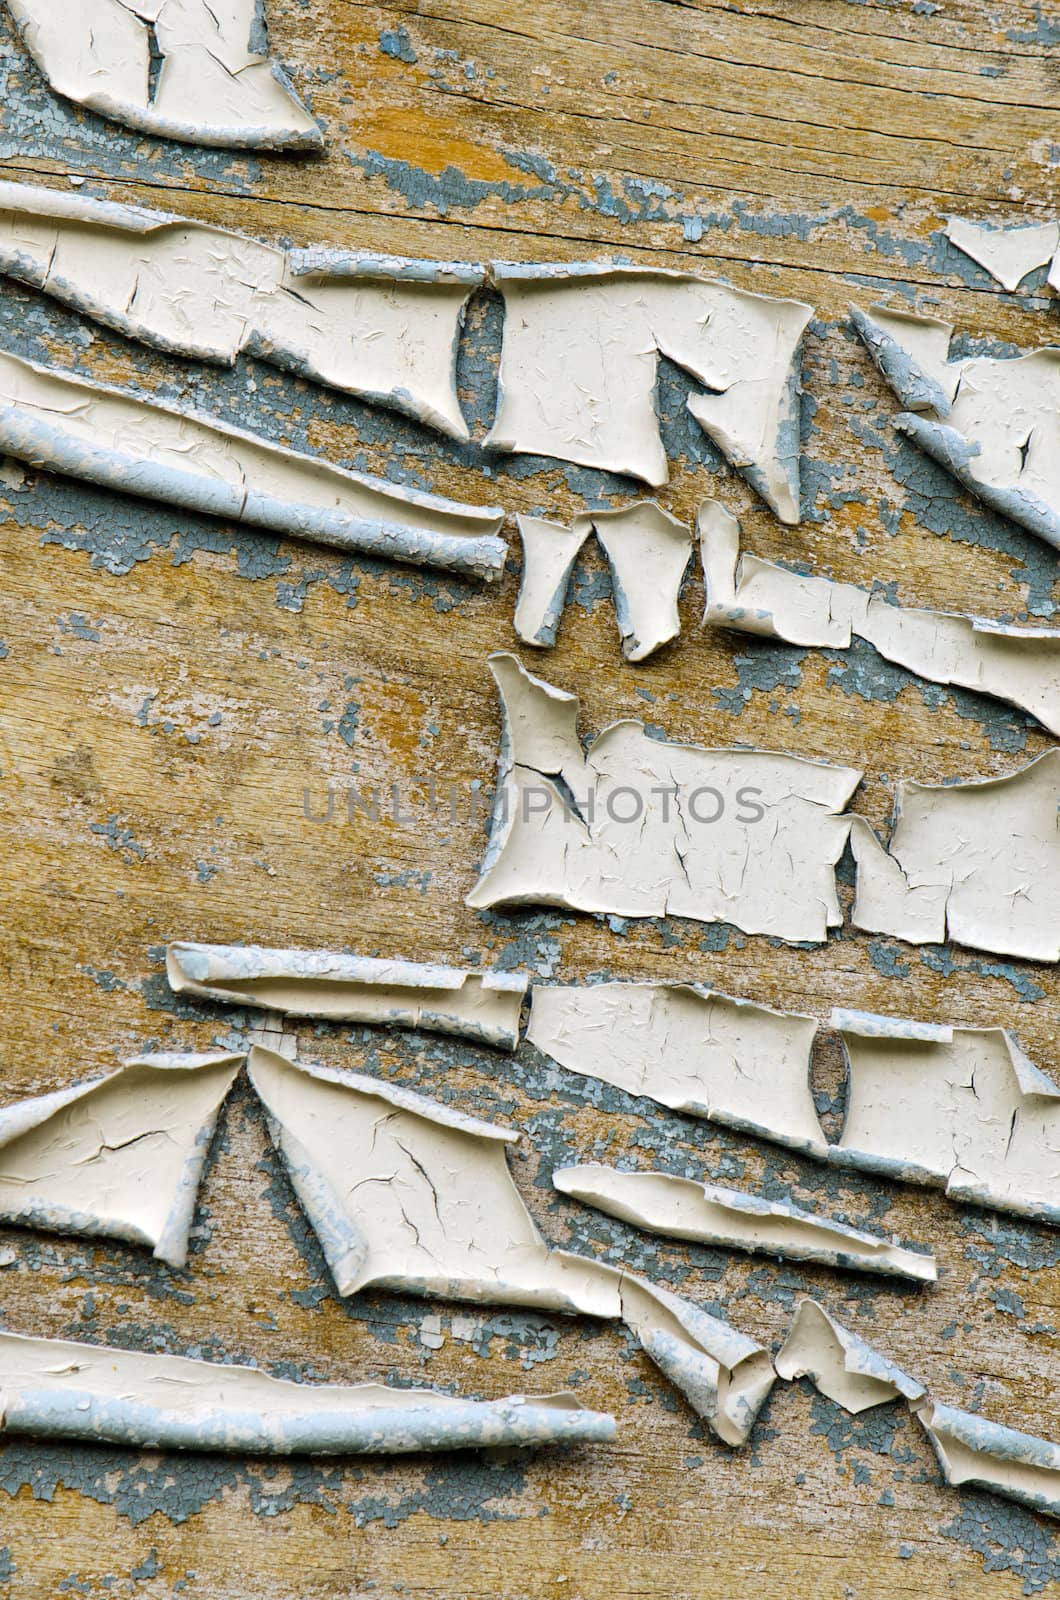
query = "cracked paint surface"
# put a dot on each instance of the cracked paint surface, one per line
(210, 621)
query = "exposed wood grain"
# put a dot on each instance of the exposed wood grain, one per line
(165, 727)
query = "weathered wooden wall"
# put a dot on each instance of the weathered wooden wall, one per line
(174, 690)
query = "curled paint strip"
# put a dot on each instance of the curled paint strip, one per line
(679, 1208)
(480, 1005)
(1017, 665)
(59, 1389)
(107, 436)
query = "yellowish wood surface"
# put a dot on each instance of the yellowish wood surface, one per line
(165, 725)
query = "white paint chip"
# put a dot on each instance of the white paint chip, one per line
(106, 436)
(840, 1364)
(643, 828)
(958, 1108)
(993, 422)
(57, 1389)
(648, 552)
(1017, 665)
(679, 1208)
(1008, 254)
(549, 553)
(972, 1450)
(579, 359)
(405, 1194)
(696, 1051)
(211, 295)
(975, 862)
(211, 87)
(121, 1157)
(483, 1005)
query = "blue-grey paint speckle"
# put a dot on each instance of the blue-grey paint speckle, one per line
(120, 838)
(1007, 1538)
(1046, 30)
(396, 42)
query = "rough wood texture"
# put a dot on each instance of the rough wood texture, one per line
(177, 694)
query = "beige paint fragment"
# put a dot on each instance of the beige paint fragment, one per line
(211, 294)
(970, 1449)
(1017, 665)
(405, 1194)
(959, 1108)
(578, 368)
(648, 552)
(840, 1364)
(725, 1376)
(480, 1005)
(211, 89)
(705, 1213)
(549, 553)
(994, 422)
(106, 436)
(640, 827)
(1008, 254)
(121, 1157)
(696, 1051)
(56, 1389)
(975, 862)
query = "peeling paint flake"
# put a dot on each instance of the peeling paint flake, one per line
(579, 359)
(648, 552)
(121, 1157)
(993, 422)
(975, 862)
(379, 327)
(484, 1006)
(704, 1213)
(405, 1194)
(840, 1364)
(107, 436)
(549, 553)
(972, 1450)
(1008, 254)
(211, 87)
(1017, 665)
(705, 1054)
(958, 1108)
(56, 1389)
(640, 827)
